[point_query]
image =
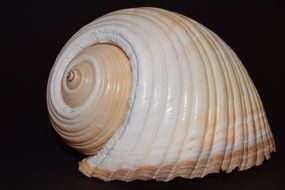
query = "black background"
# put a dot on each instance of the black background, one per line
(33, 33)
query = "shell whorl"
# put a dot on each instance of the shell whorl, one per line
(152, 94)
(100, 75)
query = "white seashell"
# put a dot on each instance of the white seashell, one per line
(152, 94)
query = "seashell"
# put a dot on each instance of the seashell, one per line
(151, 94)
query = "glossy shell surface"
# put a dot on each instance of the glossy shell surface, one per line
(151, 94)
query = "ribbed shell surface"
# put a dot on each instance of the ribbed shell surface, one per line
(192, 110)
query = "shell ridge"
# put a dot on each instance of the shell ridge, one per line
(173, 170)
(130, 173)
(200, 164)
(252, 120)
(195, 42)
(161, 21)
(263, 127)
(150, 19)
(249, 162)
(227, 82)
(238, 160)
(126, 176)
(231, 104)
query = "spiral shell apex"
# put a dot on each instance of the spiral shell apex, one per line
(151, 94)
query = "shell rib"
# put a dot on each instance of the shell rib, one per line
(152, 94)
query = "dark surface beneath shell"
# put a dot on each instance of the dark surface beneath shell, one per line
(33, 33)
